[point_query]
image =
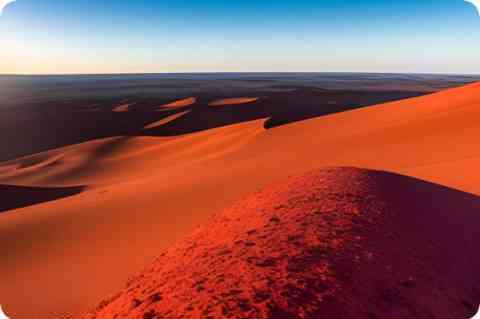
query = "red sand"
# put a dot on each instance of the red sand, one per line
(20, 196)
(165, 120)
(336, 243)
(142, 193)
(180, 103)
(122, 108)
(234, 101)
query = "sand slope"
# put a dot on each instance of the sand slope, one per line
(122, 108)
(143, 193)
(336, 243)
(234, 101)
(180, 103)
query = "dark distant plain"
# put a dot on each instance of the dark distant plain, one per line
(31, 89)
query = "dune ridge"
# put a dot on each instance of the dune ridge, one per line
(165, 120)
(234, 101)
(122, 108)
(180, 103)
(432, 137)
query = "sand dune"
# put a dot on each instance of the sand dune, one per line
(122, 159)
(335, 243)
(165, 120)
(145, 192)
(234, 101)
(180, 103)
(122, 108)
(71, 123)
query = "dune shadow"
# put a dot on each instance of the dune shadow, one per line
(427, 231)
(14, 197)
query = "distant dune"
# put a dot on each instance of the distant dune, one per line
(74, 122)
(234, 101)
(181, 103)
(143, 192)
(335, 243)
(165, 120)
(122, 108)
(20, 196)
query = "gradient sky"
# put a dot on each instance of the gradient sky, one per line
(111, 36)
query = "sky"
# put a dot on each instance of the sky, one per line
(153, 36)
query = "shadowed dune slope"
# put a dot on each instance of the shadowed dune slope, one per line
(46, 126)
(145, 192)
(335, 243)
(17, 196)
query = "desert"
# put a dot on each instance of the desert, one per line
(271, 200)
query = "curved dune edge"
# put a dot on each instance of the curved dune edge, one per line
(125, 158)
(122, 108)
(234, 101)
(165, 120)
(180, 103)
(335, 243)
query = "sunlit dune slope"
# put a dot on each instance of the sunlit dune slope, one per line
(335, 243)
(46, 126)
(165, 120)
(180, 103)
(416, 136)
(234, 101)
(122, 108)
(127, 158)
(144, 192)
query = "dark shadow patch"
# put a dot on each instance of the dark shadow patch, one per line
(13, 197)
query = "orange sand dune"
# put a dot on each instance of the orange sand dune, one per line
(122, 159)
(336, 243)
(165, 120)
(143, 193)
(234, 101)
(122, 108)
(181, 103)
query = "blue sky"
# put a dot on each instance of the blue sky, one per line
(53, 36)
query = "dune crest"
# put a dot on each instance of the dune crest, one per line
(14, 197)
(234, 101)
(165, 120)
(122, 108)
(180, 103)
(123, 158)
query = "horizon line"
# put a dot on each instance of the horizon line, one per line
(239, 72)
